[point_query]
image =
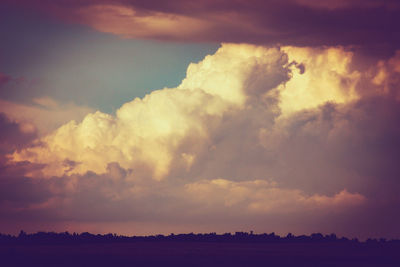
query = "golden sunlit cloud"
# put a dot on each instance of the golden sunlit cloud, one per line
(326, 78)
(149, 132)
(246, 113)
(251, 133)
(128, 22)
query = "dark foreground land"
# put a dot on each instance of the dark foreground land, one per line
(195, 250)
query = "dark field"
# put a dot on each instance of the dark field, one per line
(195, 253)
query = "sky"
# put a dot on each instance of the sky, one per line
(146, 117)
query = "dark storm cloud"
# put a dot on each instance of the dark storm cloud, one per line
(291, 22)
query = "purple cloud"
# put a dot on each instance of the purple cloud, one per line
(4, 78)
(290, 22)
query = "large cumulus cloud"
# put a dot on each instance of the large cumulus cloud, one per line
(272, 139)
(169, 124)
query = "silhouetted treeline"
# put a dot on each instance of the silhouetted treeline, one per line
(212, 250)
(66, 237)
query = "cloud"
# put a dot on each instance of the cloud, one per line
(289, 22)
(44, 115)
(263, 197)
(242, 92)
(238, 80)
(328, 77)
(346, 4)
(13, 136)
(4, 78)
(118, 196)
(291, 138)
(149, 131)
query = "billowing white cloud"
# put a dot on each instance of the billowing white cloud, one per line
(323, 75)
(147, 132)
(289, 130)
